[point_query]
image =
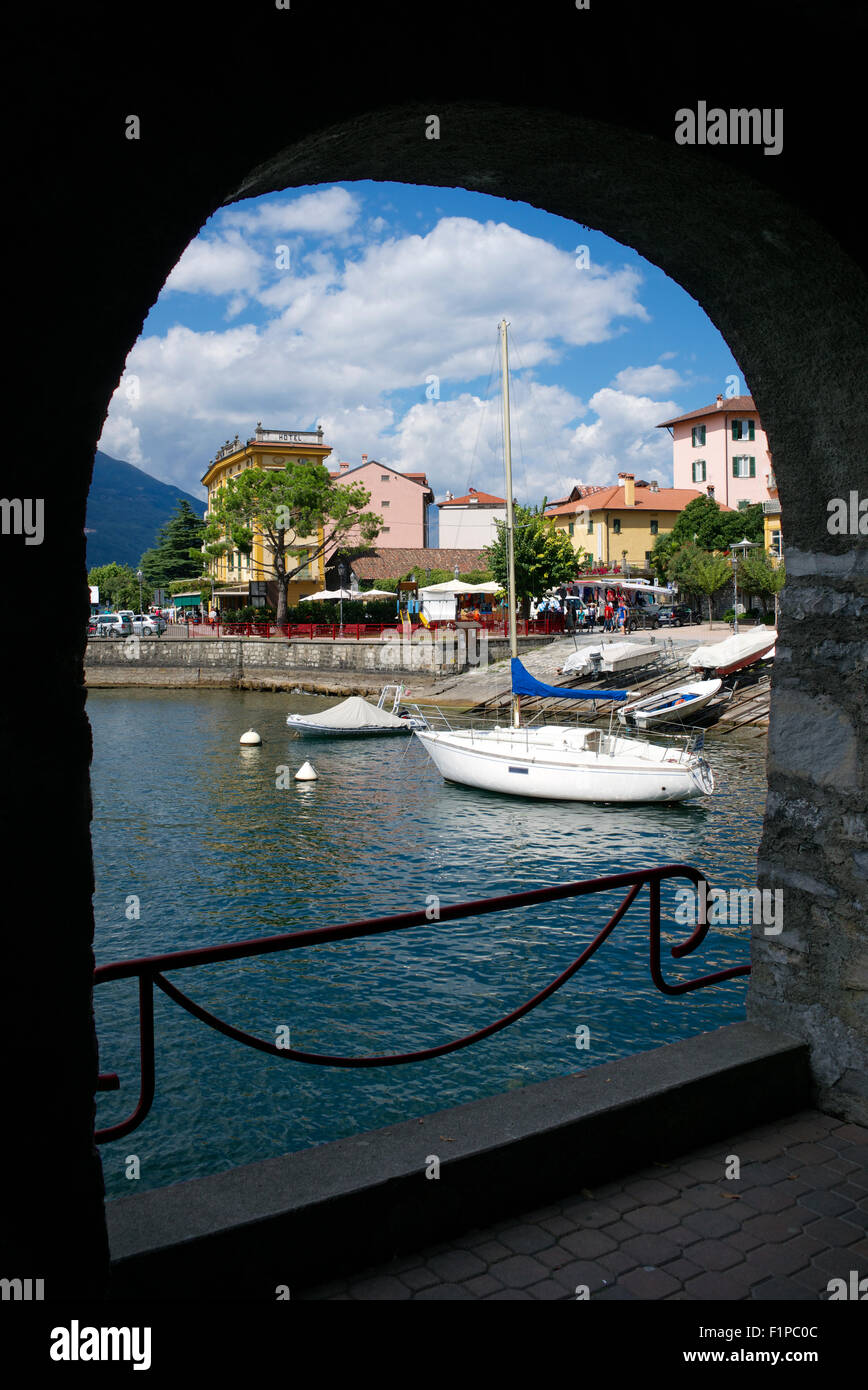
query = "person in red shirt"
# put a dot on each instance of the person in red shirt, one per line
(608, 613)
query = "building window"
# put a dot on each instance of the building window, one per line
(743, 466)
(647, 557)
(654, 527)
(572, 528)
(775, 544)
(384, 477)
(590, 525)
(743, 429)
(616, 526)
(699, 470)
(384, 504)
(698, 436)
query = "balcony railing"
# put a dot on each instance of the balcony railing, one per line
(151, 971)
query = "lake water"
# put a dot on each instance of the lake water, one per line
(197, 829)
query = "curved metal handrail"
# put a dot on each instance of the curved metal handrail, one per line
(149, 970)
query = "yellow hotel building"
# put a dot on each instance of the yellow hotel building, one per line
(267, 449)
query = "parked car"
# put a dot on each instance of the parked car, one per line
(675, 615)
(113, 625)
(148, 625)
(642, 615)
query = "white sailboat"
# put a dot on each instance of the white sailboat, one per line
(560, 762)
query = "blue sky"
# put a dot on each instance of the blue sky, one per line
(373, 308)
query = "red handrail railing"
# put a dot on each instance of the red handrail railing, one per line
(149, 972)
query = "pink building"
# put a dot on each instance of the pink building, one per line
(401, 499)
(722, 449)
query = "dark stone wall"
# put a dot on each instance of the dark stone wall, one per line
(570, 110)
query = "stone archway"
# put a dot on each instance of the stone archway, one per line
(787, 325)
(792, 307)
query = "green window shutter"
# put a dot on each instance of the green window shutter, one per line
(750, 430)
(735, 429)
(735, 467)
(752, 467)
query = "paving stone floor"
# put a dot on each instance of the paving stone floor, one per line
(794, 1219)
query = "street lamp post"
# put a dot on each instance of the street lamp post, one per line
(740, 548)
(140, 577)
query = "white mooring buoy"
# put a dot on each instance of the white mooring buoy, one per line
(250, 738)
(305, 773)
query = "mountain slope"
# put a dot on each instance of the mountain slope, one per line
(125, 510)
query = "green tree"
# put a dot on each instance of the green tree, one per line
(662, 554)
(544, 556)
(118, 586)
(286, 507)
(757, 575)
(170, 558)
(706, 574)
(704, 522)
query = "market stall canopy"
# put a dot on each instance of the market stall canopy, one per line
(455, 586)
(613, 582)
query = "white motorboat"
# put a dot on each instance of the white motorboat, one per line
(357, 718)
(561, 762)
(679, 702)
(743, 649)
(609, 658)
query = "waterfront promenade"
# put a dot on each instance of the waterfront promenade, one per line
(794, 1220)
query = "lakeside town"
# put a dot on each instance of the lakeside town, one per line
(582, 560)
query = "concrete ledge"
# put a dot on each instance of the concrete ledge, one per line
(309, 1216)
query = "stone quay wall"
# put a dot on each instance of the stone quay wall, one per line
(242, 662)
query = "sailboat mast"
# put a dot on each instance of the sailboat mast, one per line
(510, 515)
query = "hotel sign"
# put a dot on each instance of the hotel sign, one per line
(289, 436)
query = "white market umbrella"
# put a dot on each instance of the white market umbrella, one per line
(340, 594)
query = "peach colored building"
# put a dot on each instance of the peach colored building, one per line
(401, 499)
(722, 449)
(469, 521)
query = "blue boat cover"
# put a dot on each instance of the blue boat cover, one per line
(523, 683)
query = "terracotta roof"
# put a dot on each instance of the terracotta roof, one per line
(666, 499)
(485, 499)
(731, 406)
(580, 490)
(394, 563)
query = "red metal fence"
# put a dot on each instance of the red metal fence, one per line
(526, 627)
(149, 971)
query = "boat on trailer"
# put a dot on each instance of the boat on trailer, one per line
(610, 658)
(743, 649)
(358, 718)
(678, 703)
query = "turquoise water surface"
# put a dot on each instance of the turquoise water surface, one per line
(196, 828)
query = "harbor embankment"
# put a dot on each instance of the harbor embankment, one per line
(251, 663)
(468, 676)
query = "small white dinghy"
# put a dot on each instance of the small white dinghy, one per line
(355, 718)
(679, 702)
(722, 658)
